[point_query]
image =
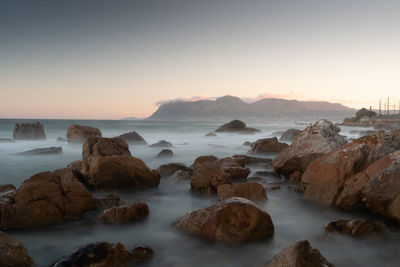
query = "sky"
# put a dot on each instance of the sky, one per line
(114, 59)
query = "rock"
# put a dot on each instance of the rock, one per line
(207, 177)
(165, 153)
(171, 168)
(299, 254)
(289, 134)
(247, 143)
(202, 159)
(108, 165)
(29, 131)
(355, 227)
(295, 188)
(108, 202)
(42, 151)
(44, 199)
(13, 252)
(295, 177)
(311, 143)
(61, 139)
(251, 190)
(210, 134)
(253, 160)
(6, 140)
(161, 143)
(133, 138)
(233, 220)
(267, 145)
(272, 186)
(236, 126)
(268, 173)
(79, 134)
(124, 214)
(76, 167)
(104, 254)
(180, 176)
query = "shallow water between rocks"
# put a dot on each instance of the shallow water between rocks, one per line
(294, 219)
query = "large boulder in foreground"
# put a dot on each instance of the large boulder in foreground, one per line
(13, 253)
(267, 145)
(133, 138)
(312, 142)
(44, 199)
(289, 134)
(104, 254)
(79, 134)
(232, 220)
(124, 213)
(299, 254)
(251, 190)
(29, 131)
(236, 126)
(108, 165)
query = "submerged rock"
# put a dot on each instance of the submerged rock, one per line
(267, 145)
(133, 138)
(79, 134)
(161, 143)
(289, 134)
(236, 126)
(29, 131)
(165, 153)
(42, 151)
(104, 254)
(210, 134)
(233, 220)
(13, 253)
(250, 190)
(299, 254)
(124, 214)
(355, 227)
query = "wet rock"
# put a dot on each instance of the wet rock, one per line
(161, 143)
(61, 139)
(355, 227)
(289, 134)
(295, 177)
(207, 177)
(133, 138)
(299, 254)
(108, 202)
(202, 159)
(251, 190)
(171, 168)
(253, 160)
(179, 176)
(232, 220)
(6, 140)
(13, 253)
(124, 214)
(76, 167)
(267, 145)
(165, 153)
(104, 254)
(210, 134)
(247, 143)
(234, 167)
(79, 134)
(311, 143)
(237, 126)
(44, 199)
(42, 151)
(29, 131)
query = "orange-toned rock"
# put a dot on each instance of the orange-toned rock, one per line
(232, 220)
(267, 145)
(355, 227)
(13, 252)
(125, 213)
(79, 134)
(251, 190)
(202, 159)
(299, 254)
(207, 177)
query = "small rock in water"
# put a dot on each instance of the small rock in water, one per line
(133, 138)
(29, 131)
(165, 153)
(161, 143)
(237, 126)
(267, 145)
(124, 214)
(247, 143)
(79, 134)
(61, 139)
(210, 134)
(43, 151)
(355, 227)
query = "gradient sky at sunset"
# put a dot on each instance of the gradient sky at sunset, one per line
(113, 59)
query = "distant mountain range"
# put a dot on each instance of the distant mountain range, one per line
(230, 107)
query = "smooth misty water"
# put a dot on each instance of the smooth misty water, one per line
(294, 218)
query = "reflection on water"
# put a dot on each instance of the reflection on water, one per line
(294, 218)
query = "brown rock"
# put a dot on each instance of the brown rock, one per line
(124, 214)
(79, 134)
(289, 134)
(171, 168)
(133, 138)
(29, 131)
(253, 160)
(299, 254)
(104, 254)
(355, 227)
(236, 126)
(202, 159)
(207, 177)
(13, 253)
(179, 176)
(267, 145)
(232, 220)
(251, 190)
(295, 177)
(108, 202)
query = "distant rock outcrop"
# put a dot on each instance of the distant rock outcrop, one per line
(236, 126)
(165, 153)
(161, 143)
(29, 131)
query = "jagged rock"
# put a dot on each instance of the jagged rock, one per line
(237, 126)
(355, 227)
(79, 134)
(299, 254)
(311, 143)
(251, 190)
(29, 131)
(161, 143)
(104, 254)
(108, 202)
(165, 153)
(233, 220)
(289, 134)
(133, 138)
(124, 214)
(13, 253)
(210, 134)
(171, 168)
(42, 151)
(267, 145)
